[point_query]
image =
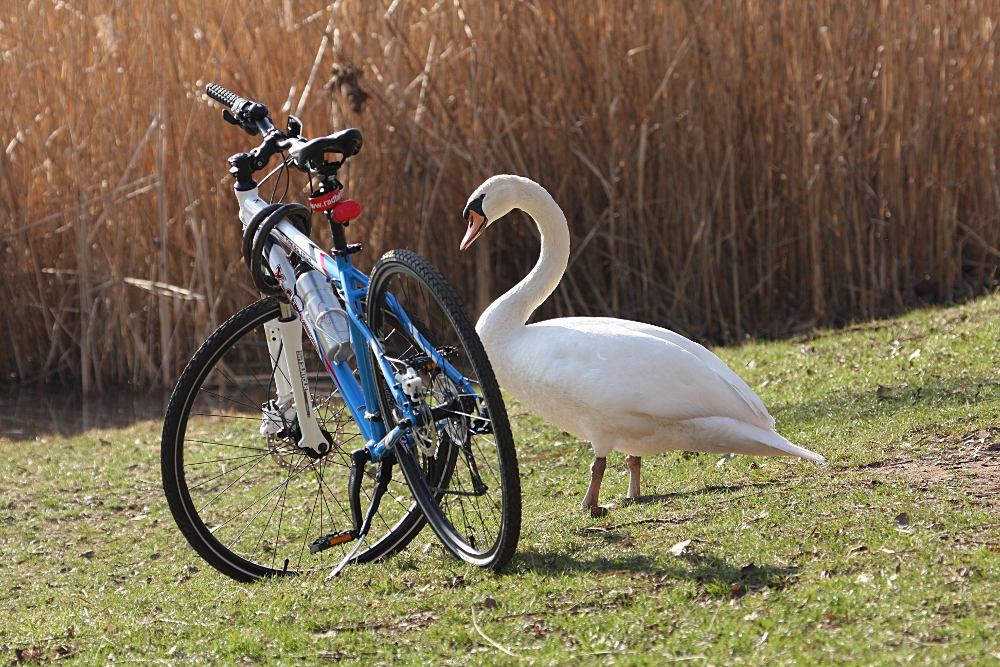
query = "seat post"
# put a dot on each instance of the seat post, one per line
(337, 230)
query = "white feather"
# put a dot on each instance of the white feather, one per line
(622, 385)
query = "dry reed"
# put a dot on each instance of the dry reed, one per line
(728, 168)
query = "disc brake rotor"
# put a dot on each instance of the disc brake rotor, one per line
(287, 454)
(426, 436)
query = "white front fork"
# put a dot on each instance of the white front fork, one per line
(295, 367)
(282, 410)
(284, 342)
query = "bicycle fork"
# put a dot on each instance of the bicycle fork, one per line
(294, 401)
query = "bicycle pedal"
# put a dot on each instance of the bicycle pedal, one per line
(333, 539)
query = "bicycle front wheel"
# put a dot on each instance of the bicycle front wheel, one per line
(459, 461)
(248, 499)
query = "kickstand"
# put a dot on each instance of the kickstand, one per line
(347, 559)
(384, 477)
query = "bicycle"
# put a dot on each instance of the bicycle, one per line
(272, 448)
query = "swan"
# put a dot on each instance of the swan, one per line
(621, 385)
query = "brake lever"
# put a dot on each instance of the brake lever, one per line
(229, 117)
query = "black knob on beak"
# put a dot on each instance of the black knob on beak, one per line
(474, 205)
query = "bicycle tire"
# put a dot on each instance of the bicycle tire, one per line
(466, 446)
(195, 430)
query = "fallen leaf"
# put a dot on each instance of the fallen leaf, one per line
(32, 654)
(679, 548)
(614, 573)
(830, 621)
(600, 511)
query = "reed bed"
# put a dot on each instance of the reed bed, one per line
(729, 169)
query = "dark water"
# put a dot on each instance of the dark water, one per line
(31, 412)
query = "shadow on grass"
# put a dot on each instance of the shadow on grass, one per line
(713, 575)
(703, 491)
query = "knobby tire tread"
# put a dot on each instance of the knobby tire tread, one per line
(460, 320)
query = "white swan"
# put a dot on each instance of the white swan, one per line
(622, 385)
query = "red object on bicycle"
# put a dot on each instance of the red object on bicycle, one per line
(346, 210)
(324, 202)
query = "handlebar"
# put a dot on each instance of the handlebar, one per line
(223, 96)
(251, 116)
(307, 156)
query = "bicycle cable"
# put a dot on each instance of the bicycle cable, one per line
(283, 167)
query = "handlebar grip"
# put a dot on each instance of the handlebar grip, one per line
(221, 95)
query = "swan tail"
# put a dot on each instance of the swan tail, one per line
(724, 435)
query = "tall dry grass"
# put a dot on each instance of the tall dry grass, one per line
(728, 168)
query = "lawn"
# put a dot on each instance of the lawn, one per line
(888, 554)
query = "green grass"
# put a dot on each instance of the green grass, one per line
(789, 562)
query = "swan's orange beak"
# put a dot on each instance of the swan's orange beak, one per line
(477, 224)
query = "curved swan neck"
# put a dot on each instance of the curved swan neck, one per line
(512, 310)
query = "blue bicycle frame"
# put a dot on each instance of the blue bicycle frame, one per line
(352, 285)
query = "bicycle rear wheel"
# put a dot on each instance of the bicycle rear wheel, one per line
(460, 463)
(252, 504)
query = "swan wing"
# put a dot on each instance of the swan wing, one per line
(699, 351)
(602, 369)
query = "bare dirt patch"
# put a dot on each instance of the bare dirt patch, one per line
(971, 465)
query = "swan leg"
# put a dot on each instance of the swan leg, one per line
(594, 490)
(634, 468)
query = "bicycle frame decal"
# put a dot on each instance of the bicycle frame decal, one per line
(304, 379)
